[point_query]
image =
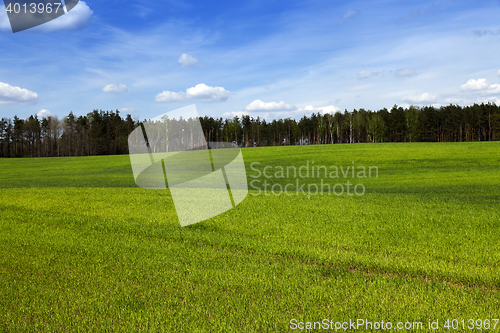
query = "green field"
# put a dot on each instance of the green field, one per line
(82, 248)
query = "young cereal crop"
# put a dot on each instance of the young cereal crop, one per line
(82, 248)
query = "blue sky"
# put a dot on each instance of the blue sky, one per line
(272, 59)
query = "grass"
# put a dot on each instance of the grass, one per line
(82, 248)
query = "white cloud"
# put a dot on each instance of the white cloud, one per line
(404, 72)
(169, 96)
(498, 72)
(365, 74)
(208, 94)
(457, 100)
(493, 89)
(482, 86)
(495, 100)
(127, 110)
(350, 14)
(259, 105)
(116, 89)
(331, 109)
(481, 33)
(233, 114)
(201, 91)
(187, 61)
(44, 113)
(424, 98)
(296, 113)
(16, 95)
(472, 84)
(76, 19)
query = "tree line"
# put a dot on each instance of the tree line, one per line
(106, 133)
(97, 133)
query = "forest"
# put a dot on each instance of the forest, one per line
(106, 132)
